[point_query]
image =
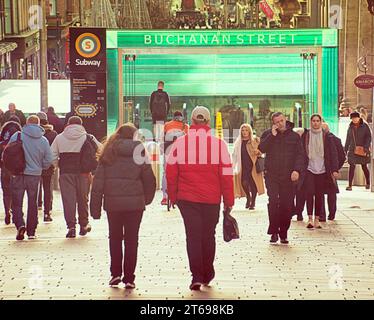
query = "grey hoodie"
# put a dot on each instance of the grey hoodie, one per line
(38, 154)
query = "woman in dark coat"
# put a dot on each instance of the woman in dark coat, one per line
(358, 135)
(127, 183)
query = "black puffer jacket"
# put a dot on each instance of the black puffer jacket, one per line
(362, 137)
(284, 153)
(9, 128)
(124, 185)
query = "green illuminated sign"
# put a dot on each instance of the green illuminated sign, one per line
(221, 38)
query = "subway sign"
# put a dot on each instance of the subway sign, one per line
(221, 38)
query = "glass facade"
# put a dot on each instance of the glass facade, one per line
(288, 68)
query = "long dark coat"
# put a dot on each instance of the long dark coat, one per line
(362, 136)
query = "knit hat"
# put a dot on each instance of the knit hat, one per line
(354, 114)
(42, 116)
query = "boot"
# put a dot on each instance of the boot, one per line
(248, 204)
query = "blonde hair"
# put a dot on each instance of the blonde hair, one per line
(248, 126)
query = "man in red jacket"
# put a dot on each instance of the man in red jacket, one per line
(199, 174)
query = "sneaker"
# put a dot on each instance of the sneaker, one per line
(164, 202)
(32, 237)
(251, 208)
(195, 286)
(300, 217)
(115, 281)
(367, 187)
(349, 188)
(84, 230)
(7, 219)
(130, 285)
(284, 241)
(47, 218)
(274, 238)
(21, 233)
(71, 233)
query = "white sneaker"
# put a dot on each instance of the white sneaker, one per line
(32, 237)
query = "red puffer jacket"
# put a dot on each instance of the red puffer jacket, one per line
(199, 169)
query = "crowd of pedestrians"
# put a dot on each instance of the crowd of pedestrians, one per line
(301, 166)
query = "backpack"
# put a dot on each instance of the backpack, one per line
(14, 157)
(159, 109)
(88, 159)
(341, 153)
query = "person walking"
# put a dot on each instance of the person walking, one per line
(172, 130)
(46, 181)
(13, 111)
(322, 168)
(284, 162)
(127, 186)
(357, 148)
(247, 181)
(74, 184)
(159, 105)
(332, 193)
(54, 120)
(38, 157)
(197, 178)
(7, 131)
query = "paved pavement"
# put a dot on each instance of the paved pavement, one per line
(336, 262)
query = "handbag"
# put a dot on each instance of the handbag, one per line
(230, 228)
(260, 165)
(359, 150)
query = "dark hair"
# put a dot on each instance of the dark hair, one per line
(316, 115)
(15, 119)
(75, 120)
(110, 150)
(44, 122)
(276, 114)
(178, 114)
(162, 83)
(51, 109)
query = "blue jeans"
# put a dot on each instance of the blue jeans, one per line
(19, 185)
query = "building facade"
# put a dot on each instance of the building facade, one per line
(61, 15)
(19, 28)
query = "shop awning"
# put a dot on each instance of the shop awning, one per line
(7, 47)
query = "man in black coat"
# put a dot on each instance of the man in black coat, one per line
(284, 162)
(159, 105)
(9, 128)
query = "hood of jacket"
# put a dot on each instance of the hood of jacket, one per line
(33, 131)
(47, 127)
(126, 147)
(74, 132)
(10, 124)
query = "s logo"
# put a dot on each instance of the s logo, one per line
(88, 45)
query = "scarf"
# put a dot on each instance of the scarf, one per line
(316, 150)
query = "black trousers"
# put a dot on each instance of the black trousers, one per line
(7, 191)
(281, 199)
(200, 221)
(314, 188)
(331, 203)
(45, 192)
(299, 202)
(124, 226)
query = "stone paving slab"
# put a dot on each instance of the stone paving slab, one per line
(336, 262)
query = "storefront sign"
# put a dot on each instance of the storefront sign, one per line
(219, 38)
(364, 81)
